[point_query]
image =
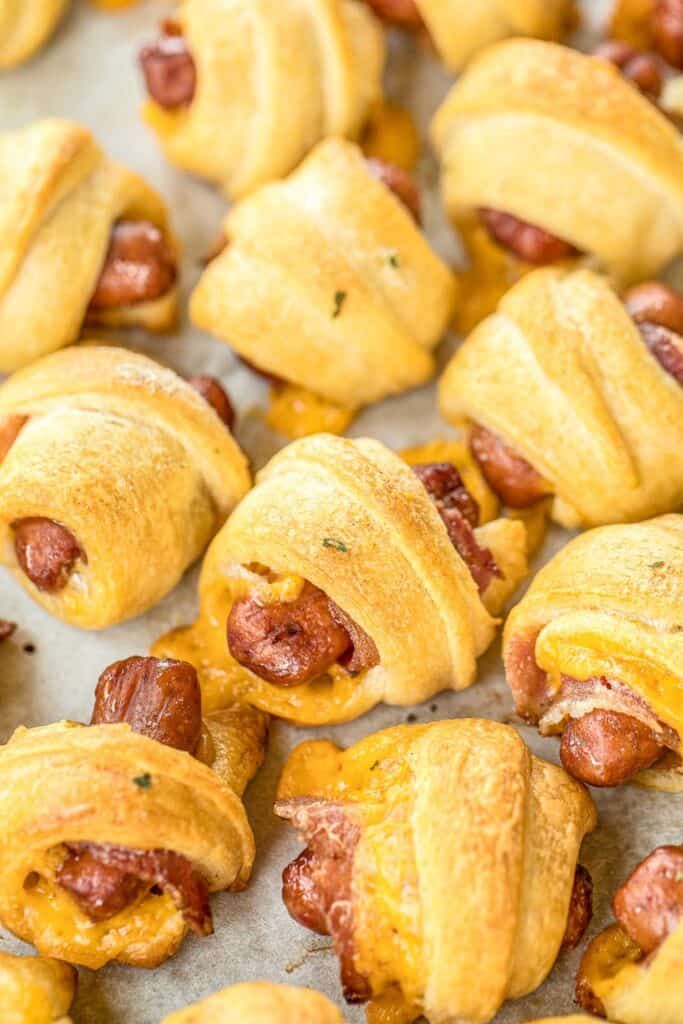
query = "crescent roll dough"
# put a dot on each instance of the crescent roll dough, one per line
(273, 78)
(460, 850)
(60, 198)
(34, 990)
(606, 174)
(127, 457)
(352, 519)
(562, 374)
(606, 606)
(328, 284)
(460, 29)
(25, 27)
(260, 1002)
(105, 784)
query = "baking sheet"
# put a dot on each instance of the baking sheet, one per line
(48, 670)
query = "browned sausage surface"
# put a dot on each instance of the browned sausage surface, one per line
(641, 68)
(656, 303)
(104, 880)
(287, 643)
(649, 905)
(401, 184)
(214, 393)
(513, 479)
(158, 698)
(398, 12)
(607, 748)
(667, 348)
(317, 886)
(169, 69)
(526, 241)
(667, 27)
(363, 653)
(139, 267)
(46, 552)
(580, 908)
(10, 428)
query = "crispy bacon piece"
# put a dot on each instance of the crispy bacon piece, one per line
(104, 880)
(317, 886)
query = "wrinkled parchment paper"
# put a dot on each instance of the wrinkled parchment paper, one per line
(88, 73)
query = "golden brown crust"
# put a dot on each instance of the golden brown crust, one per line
(608, 605)
(608, 171)
(62, 195)
(349, 517)
(66, 783)
(260, 1003)
(35, 990)
(25, 28)
(129, 458)
(567, 402)
(328, 283)
(461, 30)
(465, 863)
(273, 78)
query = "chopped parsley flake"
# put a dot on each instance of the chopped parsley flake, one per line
(143, 781)
(339, 300)
(656, 565)
(393, 260)
(338, 545)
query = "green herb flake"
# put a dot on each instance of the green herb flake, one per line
(394, 260)
(339, 300)
(656, 565)
(338, 545)
(143, 781)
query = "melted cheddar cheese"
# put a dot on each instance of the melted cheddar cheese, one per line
(296, 412)
(391, 135)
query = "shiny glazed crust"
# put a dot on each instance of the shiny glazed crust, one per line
(273, 78)
(61, 196)
(581, 398)
(609, 604)
(260, 1003)
(34, 990)
(328, 283)
(607, 173)
(350, 517)
(465, 863)
(129, 458)
(69, 783)
(460, 30)
(25, 27)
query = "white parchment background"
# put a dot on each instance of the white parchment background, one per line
(88, 72)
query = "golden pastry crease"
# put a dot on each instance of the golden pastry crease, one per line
(25, 27)
(129, 458)
(260, 1003)
(273, 78)
(327, 283)
(460, 30)
(351, 518)
(61, 197)
(35, 990)
(67, 783)
(608, 605)
(607, 175)
(464, 866)
(581, 398)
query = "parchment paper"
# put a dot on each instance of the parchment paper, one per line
(88, 73)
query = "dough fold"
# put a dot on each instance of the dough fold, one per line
(260, 1002)
(463, 866)
(607, 606)
(131, 460)
(60, 199)
(273, 78)
(327, 283)
(351, 518)
(105, 784)
(34, 990)
(562, 374)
